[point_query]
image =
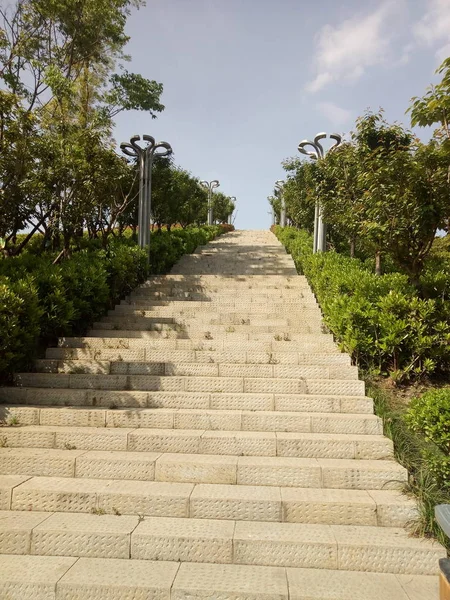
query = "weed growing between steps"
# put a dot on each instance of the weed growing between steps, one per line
(425, 461)
(40, 301)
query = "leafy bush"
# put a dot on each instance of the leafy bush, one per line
(429, 415)
(40, 301)
(380, 320)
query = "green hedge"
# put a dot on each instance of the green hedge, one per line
(381, 321)
(40, 301)
(429, 415)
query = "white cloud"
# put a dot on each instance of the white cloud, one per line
(335, 114)
(434, 27)
(348, 49)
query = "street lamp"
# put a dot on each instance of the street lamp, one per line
(210, 186)
(318, 152)
(230, 216)
(145, 158)
(279, 187)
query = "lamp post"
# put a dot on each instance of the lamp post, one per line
(318, 152)
(210, 186)
(230, 216)
(145, 158)
(279, 186)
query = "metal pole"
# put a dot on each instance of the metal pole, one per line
(145, 158)
(318, 152)
(210, 186)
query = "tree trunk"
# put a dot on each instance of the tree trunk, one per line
(378, 262)
(352, 247)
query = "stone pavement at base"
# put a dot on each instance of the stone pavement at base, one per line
(206, 440)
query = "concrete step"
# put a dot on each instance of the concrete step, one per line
(71, 578)
(121, 327)
(193, 356)
(322, 344)
(200, 441)
(183, 418)
(346, 387)
(115, 399)
(344, 474)
(221, 302)
(202, 369)
(216, 541)
(226, 314)
(318, 506)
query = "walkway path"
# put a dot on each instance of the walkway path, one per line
(207, 440)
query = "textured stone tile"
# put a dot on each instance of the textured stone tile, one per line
(386, 550)
(165, 440)
(113, 399)
(362, 474)
(242, 401)
(159, 418)
(7, 485)
(275, 421)
(196, 468)
(116, 579)
(117, 465)
(19, 415)
(239, 502)
(320, 584)
(54, 494)
(278, 471)
(239, 443)
(94, 536)
(158, 499)
(15, 530)
(42, 575)
(394, 509)
(90, 438)
(72, 417)
(176, 400)
(337, 507)
(315, 445)
(38, 461)
(231, 582)
(285, 544)
(193, 540)
(33, 436)
(229, 420)
(307, 403)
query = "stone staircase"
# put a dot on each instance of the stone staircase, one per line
(207, 440)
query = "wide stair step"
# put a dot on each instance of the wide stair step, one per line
(69, 578)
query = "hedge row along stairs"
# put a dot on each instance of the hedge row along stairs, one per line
(207, 440)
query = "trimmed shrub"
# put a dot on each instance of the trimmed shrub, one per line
(40, 301)
(380, 320)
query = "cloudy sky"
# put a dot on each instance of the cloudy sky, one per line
(246, 80)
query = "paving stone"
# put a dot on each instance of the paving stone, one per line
(15, 530)
(33, 577)
(7, 485)
(380, 549)
(208, 419)
(94, 536)
(323, 584)
(278, 471)
(116, 579)
(196, 468)
(38, 461)
(159, 418)
(193, 540)
(285, 544)
(19, 415)
(236, 502)
(138, 466)
(394, 509)
(90, 438)
(239, 443)
(158, 499)
(72, 417)
(231, 582)
(54, 494)
(165, 440)
(362, 474)
(337, 507)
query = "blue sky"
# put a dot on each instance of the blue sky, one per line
(246, 80)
